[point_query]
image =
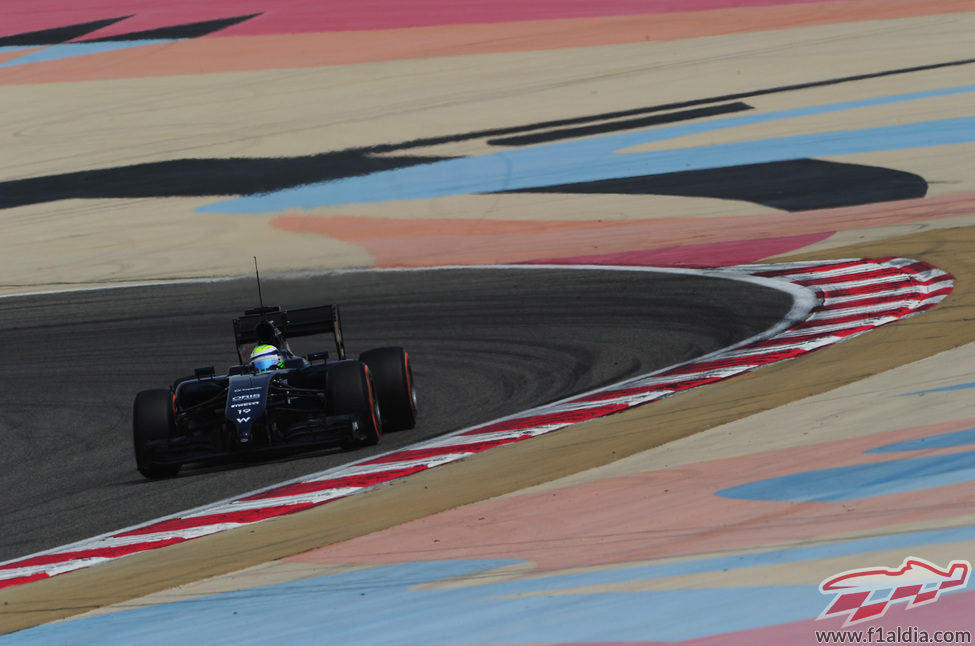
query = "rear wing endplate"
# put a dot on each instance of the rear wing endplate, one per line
(323, 319)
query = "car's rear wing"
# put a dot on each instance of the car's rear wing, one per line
(323, 319)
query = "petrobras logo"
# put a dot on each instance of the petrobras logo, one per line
(238, 398)
(866, 594)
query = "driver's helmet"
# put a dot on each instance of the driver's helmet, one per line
(266, 357)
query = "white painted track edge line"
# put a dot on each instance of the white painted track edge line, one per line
(804, 299)
(803, 302)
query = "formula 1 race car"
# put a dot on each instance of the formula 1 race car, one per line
(295, 403)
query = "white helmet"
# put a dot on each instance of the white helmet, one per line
(266, 357)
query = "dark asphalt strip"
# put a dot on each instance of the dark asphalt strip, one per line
(484, 343)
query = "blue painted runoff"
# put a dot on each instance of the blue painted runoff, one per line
(862, 480)
(389, 605)
(604, 157)
(384, 607)
(942, 441)
(73, 50)
(944, 389)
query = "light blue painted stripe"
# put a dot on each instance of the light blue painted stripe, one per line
(945, 389)
(73, 50)
(596, 158)
(861, 481)
(942, 441)
(386, 605)
(906, 542)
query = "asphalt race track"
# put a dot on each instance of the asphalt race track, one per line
(150, 151)
(484, 343)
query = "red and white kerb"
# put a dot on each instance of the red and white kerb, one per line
(846, 298)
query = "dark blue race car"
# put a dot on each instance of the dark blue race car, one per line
(278, 401)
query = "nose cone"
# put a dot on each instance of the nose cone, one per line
(246, 403)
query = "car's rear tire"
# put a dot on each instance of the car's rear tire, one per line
(393, 375)
(351, 391)
(152, 419)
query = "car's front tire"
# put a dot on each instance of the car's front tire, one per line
(351, 391)
(152, 419)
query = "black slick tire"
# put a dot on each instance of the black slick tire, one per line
(152, 419)
(393, 375)
(350, 391)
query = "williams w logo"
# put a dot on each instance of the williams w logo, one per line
(862, 595)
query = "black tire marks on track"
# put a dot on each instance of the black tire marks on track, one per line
(484, 343)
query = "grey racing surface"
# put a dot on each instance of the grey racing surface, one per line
(484, 343)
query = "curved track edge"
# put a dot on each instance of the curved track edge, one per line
(834, 301)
